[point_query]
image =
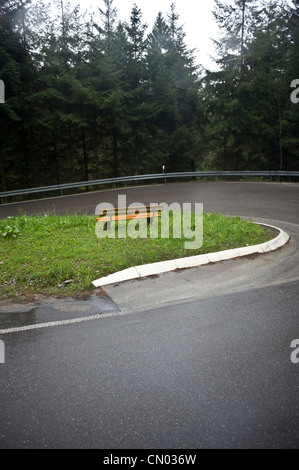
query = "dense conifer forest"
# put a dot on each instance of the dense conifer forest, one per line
(91, 96)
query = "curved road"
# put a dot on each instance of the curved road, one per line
(194, 359)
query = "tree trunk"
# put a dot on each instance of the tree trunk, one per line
(25, 153)
(115, 153)
(85, 157)
(71, 157)
(2, 173)
(55, 158)
(243, 33)
(96, 151)
(280, 141)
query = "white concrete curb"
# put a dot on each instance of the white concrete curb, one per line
(145, 270)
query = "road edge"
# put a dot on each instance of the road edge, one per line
(138, 272)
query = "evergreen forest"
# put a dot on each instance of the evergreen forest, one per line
(89, 96)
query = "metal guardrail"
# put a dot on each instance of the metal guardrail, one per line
(123, 179)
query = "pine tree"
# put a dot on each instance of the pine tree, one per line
(249, 97)
(136, 86)
(108, 57)
(15, 66)
(173, 95)
(238, 22)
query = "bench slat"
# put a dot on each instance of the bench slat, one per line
(117, 210)
(128, 217)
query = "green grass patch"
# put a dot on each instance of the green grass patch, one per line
(38, 254)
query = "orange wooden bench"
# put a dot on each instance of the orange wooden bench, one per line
(127, 213)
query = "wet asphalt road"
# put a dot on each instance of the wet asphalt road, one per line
(208, 368)
(269, 200)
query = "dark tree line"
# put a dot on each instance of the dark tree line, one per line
(250, 113)
(90, 98)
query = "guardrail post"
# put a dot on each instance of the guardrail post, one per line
(163, 169)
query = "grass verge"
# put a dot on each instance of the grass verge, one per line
(61, 255)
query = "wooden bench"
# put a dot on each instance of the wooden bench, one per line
(127, 213)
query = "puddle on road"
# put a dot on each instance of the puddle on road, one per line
(56, 310)
(14, 319)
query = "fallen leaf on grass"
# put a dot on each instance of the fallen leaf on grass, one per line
(69, 281)
(10, 283)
